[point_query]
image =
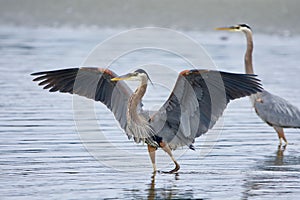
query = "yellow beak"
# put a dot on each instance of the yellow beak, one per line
(115, 79)
(120, 78)
(225, 29)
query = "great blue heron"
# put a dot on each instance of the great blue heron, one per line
(198, 99)
(272, 109)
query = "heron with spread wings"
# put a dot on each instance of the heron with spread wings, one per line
(272, 109)
(197, 101)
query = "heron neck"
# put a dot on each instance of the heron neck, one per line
(248, 54)
(135, 100)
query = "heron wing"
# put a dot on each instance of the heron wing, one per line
(93, 83)
(276, 111)
(197, 101)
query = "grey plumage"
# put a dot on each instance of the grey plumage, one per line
(276, 111)
(93, 83)
(197, 101)
(272, 109)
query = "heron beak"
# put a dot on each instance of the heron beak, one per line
(123, 77)
(231, 28)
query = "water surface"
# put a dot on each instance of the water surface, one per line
(42, 155)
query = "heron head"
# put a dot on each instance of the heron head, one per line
(137, 75)
(238, 27)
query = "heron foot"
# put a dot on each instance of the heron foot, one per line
(173, 171)
(281, 142)
(283, 147)
(167, 149)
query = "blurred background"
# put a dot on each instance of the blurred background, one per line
(269, 16)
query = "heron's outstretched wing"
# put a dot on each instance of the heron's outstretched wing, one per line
(93, 83)
(276, 111)
(197, 101)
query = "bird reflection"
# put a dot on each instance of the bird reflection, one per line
(160, 193)
(279, 155)
(151, 191)
(259, 181)
(276, 162)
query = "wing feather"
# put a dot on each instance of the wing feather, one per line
(93, 83)
(197, 101)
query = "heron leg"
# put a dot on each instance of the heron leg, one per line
(167, 149)
(151, 151)
(281, 135)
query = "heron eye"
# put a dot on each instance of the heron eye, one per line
(135, 73)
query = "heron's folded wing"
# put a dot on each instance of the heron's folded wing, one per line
(93, 83)
(197, 101)
(277, 111)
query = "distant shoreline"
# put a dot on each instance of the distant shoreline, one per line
(268, 16)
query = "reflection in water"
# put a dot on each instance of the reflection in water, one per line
(160, 193)
(268, 176)
(161, 186)
(278, 161)
(151, 190)
(168, 191)
(281, 162)
(42, 156)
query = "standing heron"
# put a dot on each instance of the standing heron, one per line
(197, 101)
(272, 109)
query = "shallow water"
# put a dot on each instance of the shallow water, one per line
(42, 155)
